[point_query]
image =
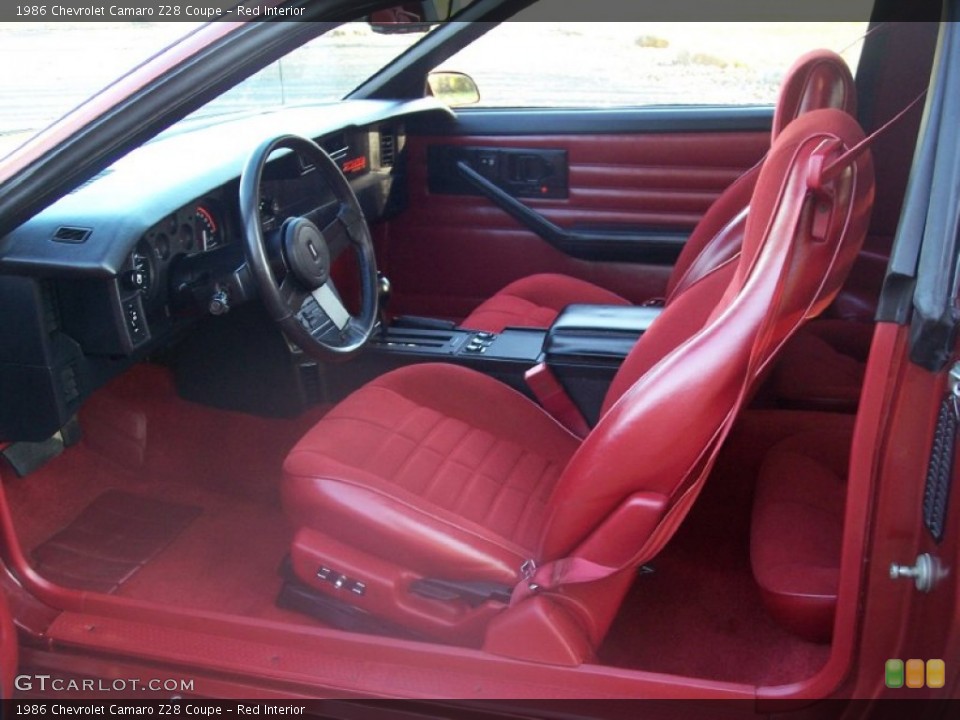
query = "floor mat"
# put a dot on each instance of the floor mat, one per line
(117, 534)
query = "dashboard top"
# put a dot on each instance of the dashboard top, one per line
(117, 206)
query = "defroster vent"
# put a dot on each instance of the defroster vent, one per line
(68, 234)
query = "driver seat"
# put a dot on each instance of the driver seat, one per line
(448, 506)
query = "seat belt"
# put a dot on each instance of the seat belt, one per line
(577, 568)
(554, 399)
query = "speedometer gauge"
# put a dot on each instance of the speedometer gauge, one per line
(208, 229)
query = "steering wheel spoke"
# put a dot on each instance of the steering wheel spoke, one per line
(338, 234)
(305, 303)
(291, 292)
(316, 322)
(352, 222)
(326, 297)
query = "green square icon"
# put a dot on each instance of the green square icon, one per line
(893, 673)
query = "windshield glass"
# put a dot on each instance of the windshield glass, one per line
(323, 70)
(51, 67)
(70, 62)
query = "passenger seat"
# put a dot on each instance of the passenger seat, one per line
(819, 79)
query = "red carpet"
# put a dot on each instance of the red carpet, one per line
(142, 440)
(700, 612)
(698, 615)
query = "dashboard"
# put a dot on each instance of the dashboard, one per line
(120, 266)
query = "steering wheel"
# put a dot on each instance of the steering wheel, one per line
(292, 265)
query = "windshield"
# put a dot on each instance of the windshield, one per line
(64, 63)
(325, 69)
(70, 62)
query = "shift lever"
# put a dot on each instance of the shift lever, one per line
(383, 300)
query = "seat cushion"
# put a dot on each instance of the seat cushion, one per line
(435, 467)
(535, 301)
(797, 528)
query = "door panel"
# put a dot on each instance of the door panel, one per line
(450, 249)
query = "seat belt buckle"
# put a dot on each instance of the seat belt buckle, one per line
(527, 572)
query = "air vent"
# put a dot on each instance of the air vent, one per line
(73, 235)
(388, 149)
(305, 167)
(340, 154)
(337, 147)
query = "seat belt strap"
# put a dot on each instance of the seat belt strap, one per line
(566, 571)
(834, 168)
(554, 399)
(574, 569)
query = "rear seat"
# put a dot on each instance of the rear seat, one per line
(797, 526)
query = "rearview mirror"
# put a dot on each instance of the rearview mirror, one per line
(453, 88)
(412, 17)
(408, 18)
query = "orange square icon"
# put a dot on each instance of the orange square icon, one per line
(936, 673)
(916, 670)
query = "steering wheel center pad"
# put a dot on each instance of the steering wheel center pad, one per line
(306, 252)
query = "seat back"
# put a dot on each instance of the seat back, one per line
(817, 80)
(683, 384)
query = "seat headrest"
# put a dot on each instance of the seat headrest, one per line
(838, 220)
(817, 80)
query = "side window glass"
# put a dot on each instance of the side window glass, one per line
(627, 64)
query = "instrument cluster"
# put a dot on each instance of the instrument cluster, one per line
(198, 228)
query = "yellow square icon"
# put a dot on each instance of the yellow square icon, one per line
(936, 673)
(915, 673)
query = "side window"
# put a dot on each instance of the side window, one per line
(611, 64)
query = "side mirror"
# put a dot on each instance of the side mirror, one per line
(453, 88)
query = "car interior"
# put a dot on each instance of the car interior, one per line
(575, 389)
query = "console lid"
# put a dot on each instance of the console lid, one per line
(597, 332)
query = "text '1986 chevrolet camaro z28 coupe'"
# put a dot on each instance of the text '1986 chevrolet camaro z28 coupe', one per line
(490, 350)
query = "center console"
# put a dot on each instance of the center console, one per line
(584, 348)
(241, 362)
(586, 345)
(506, 355)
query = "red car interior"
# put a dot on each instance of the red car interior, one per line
(413, 522)
(819, 79)
(663, 180)
(410, 463)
